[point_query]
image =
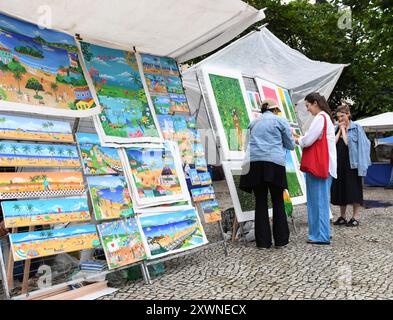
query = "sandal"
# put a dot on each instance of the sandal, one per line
(318, 242)
(340, 222)
(352, 223)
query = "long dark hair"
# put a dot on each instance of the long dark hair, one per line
(321, 101)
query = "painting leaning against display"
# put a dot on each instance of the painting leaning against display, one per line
(19, 185)
(122, 242)
(40, 71)
(171, 232)
(23, 213)
(29, 245)
(126, 116)
(23, 128)
(17, 154)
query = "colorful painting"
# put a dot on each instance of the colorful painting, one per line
(194, 177)
(19, 185)
(164, 84)
(199, 150)
(122, 242)
(268, 90)
(15, 154)
(179, 128)
(203, 194)
(172, 232)
(166, 207)
(40, 71)
(294, 183)
(230, 108)
(23, 213)
(211, 211)
(205, 178)
(23, 128)
(201, 164)
(29, 245)
(255, 100)
(98, 160)
(110, 197)
(126, 115)
(156, 175)
(290, 106)
(298, 149)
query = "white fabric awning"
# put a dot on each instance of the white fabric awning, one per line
(176, 28)
(381, 122)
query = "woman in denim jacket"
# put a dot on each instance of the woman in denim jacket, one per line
(269, 138)
(353, 159)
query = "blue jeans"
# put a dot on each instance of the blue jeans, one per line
(318, 208)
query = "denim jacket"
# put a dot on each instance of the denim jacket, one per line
(359, 149)
(269, 137)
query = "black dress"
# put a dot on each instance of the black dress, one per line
(347, 188)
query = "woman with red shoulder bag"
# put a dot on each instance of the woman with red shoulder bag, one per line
(319, 162)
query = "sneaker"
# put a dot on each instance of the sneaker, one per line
(352, 223)
(281, 247)
(340, 222)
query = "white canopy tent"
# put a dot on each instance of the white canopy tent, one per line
(261, 54)
(378, 123)
(176, 28)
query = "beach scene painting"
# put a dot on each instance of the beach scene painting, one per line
(122, 242)
(19, 185)
(23, 213)
(16, 154)
(156, 175)
(29, 245)
(211, 211)
(23, 128)
(172, 232)
(126, 116)
(110, 197)
(205, 178)
(40, 71)
(203, 194)
(98, 160)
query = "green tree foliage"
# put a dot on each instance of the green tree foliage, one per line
(35, 85)
(314, 30)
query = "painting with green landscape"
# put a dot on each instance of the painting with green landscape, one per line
(126, 115)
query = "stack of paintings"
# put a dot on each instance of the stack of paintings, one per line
(156, 175)
(164, 84)
(96, 159)
(40, 71)
(171, 232)
(126, 116)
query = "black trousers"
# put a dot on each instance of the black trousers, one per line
(263, 235)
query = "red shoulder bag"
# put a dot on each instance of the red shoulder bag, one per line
(315, 158)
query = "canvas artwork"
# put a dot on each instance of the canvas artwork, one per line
(199, 150)
(230, 108)
(296, 183)
(110, 197)
(98, 160)
(179, 128)
(23, 128)
(166, 207)
(29, 245)
(298, 149)
(203, 194)
(122, 242)
(290, 106)
(23, 213)
(156, 175)
(194, 177)
(16, 154)
(19, 185)
(172, 232)
(287, 105)
(201, 164)
(164, 84)
(211, 211)
(40, 71)
(255, 100)
(126, 115)
(205, 178)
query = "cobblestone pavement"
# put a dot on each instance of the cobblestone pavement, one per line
(357, 265)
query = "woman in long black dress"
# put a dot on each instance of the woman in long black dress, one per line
(353, 159)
